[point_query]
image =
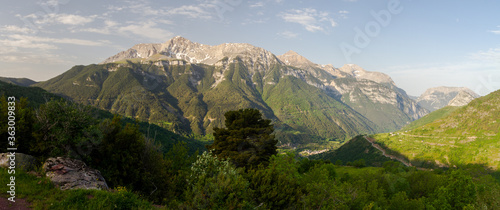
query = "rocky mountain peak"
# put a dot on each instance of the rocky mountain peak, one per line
(291, 52)
(179, 41)
(182, 48)
(360, 73)
(292, 58)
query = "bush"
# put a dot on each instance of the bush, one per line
(276, 186)
(216, 184)
(63, 129)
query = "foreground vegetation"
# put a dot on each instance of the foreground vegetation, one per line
(142, 174)
(286, 183)
(42, 194)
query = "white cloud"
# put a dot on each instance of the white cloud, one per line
(16, 29)
(147, 30)
(343, 13)
(13, 43)
(492, 54)
(194, 11)
(66, 19)
(257, 4)
(53, 3)
(288, 34)
(496, 31)
(36, 39)
(19, 48)
(206, 9)
(309, 18)
(33, 58)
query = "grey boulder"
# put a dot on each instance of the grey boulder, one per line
(73, 174)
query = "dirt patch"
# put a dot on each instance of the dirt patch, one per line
(20, 204)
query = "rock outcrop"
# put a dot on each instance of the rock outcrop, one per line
(73, 174)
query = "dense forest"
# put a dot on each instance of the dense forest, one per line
(242, 169)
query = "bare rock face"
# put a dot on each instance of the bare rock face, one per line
(73, 174)
(292, 58)
(359, 73)
(192, 52)
(463, 98)
(23, 161)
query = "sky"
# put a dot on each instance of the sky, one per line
(419, 43)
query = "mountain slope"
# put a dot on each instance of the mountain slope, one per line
(187, 87)
(36, 95)
(438, 114)
(382, 103)
(470, 134)
(439, 97)
(18, 81)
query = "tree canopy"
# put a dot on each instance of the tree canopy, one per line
(247, 139)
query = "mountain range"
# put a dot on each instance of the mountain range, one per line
(187, 87)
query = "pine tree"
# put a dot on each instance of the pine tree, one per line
(246, 140)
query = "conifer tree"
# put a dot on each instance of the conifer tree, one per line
(246, 140)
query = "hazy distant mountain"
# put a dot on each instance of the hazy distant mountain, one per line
(439, 97)
(18, 81)
(188, 86)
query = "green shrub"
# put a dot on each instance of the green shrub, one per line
(216, 184)
(276, 186)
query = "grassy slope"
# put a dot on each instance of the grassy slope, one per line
(443, 112)
(42, 194)
(468, 135)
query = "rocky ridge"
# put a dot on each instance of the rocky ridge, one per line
(184, 49)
